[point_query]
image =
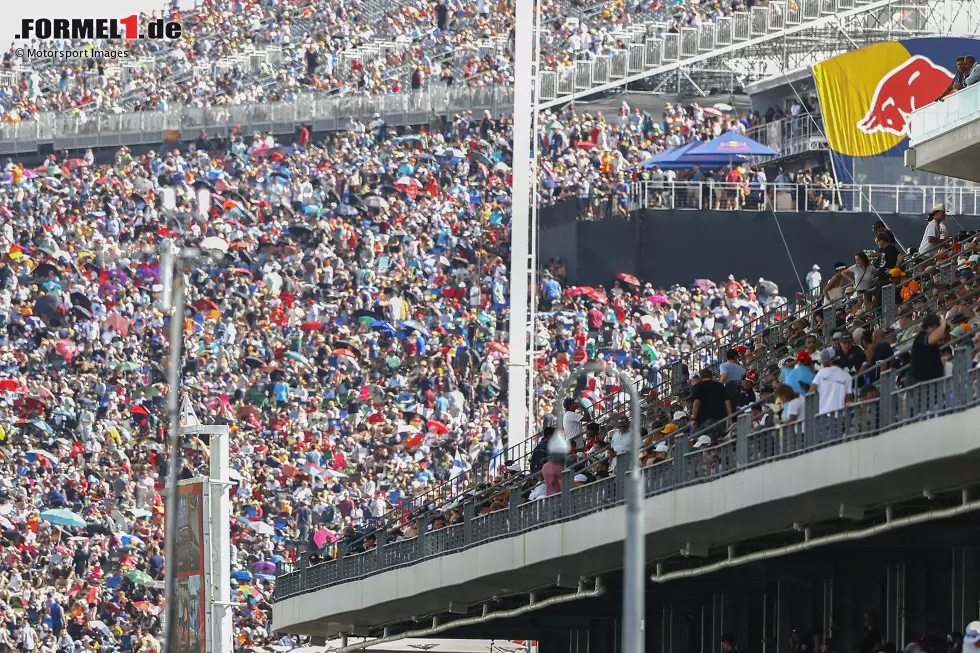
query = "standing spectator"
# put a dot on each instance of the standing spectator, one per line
(958, 81)
(814, 280)
(312, 58)
(927, 363)
(833, 386)
(853, 357)
(800, 376)
(973, 71)
(731, 371)
(442, 15)
(572, 419)
(711, 402)
(935, 232)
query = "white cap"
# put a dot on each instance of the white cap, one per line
(661, 447)
(816, 267)
(703, 441)
(972, 633)
(681, 414)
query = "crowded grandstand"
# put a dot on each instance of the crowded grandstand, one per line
(353, 336)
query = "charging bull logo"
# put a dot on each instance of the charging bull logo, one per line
(910, 86)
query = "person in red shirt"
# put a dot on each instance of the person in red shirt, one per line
(733, 188)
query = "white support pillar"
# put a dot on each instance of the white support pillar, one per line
(518, 429)
(217, 554)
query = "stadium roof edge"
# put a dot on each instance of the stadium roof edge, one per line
(769, 83)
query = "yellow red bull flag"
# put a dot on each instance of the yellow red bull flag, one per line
(867, 96)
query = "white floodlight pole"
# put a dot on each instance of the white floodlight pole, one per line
(517, 373)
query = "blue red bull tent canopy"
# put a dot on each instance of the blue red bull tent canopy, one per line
(731, 144)
(681, 158)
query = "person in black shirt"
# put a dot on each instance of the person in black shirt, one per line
(744, 393)
(853, 357)
(878, 350)
(872, 641)
(889, 256)
(442, 16)
(711, 401)
(540, 454)
(927, 363)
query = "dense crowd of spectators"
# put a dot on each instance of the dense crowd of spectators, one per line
(324, 47)
(353, 338)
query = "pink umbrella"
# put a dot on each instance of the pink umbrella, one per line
(659, 299)
(66, 349)
(119, 323)
(322, 537)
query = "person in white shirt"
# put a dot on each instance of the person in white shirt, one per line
(833, 385)
(935, 231)
(814, 280)
(572, 420)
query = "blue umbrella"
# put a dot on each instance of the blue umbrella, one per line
(41, 425)
(242, 575)
(383, 326)
(733, 143)
(416, 326)
(407, 139)
(62, 517)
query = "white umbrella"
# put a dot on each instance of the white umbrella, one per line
(262, 528)
(721, 106)
(215, 243)
(376, 202)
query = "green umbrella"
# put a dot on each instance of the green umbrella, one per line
(148, 391)
(298, 357)
(393, 361)
(366, 320)
(139, 577)
(128, 366)
(139, 513)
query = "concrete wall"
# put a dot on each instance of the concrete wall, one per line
(937, 453)
(668, 247)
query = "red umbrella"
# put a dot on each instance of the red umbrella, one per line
(436, 427)
(575, 291)
(344, 352)
(498, 347)
(628, 278)
(587, 145)
(414, 441)
(408, 182)
(9, 385)
(205, 305)
(246, 411)
(311, 326)
(140, 410)
(74, 164)
(594, 295)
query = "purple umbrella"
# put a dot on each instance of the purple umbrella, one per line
(264, 567)
(705, 284)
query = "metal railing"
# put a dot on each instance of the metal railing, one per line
(650, 45)
(323, 113)
(894, 407)
(791, 197)
(790, 136)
